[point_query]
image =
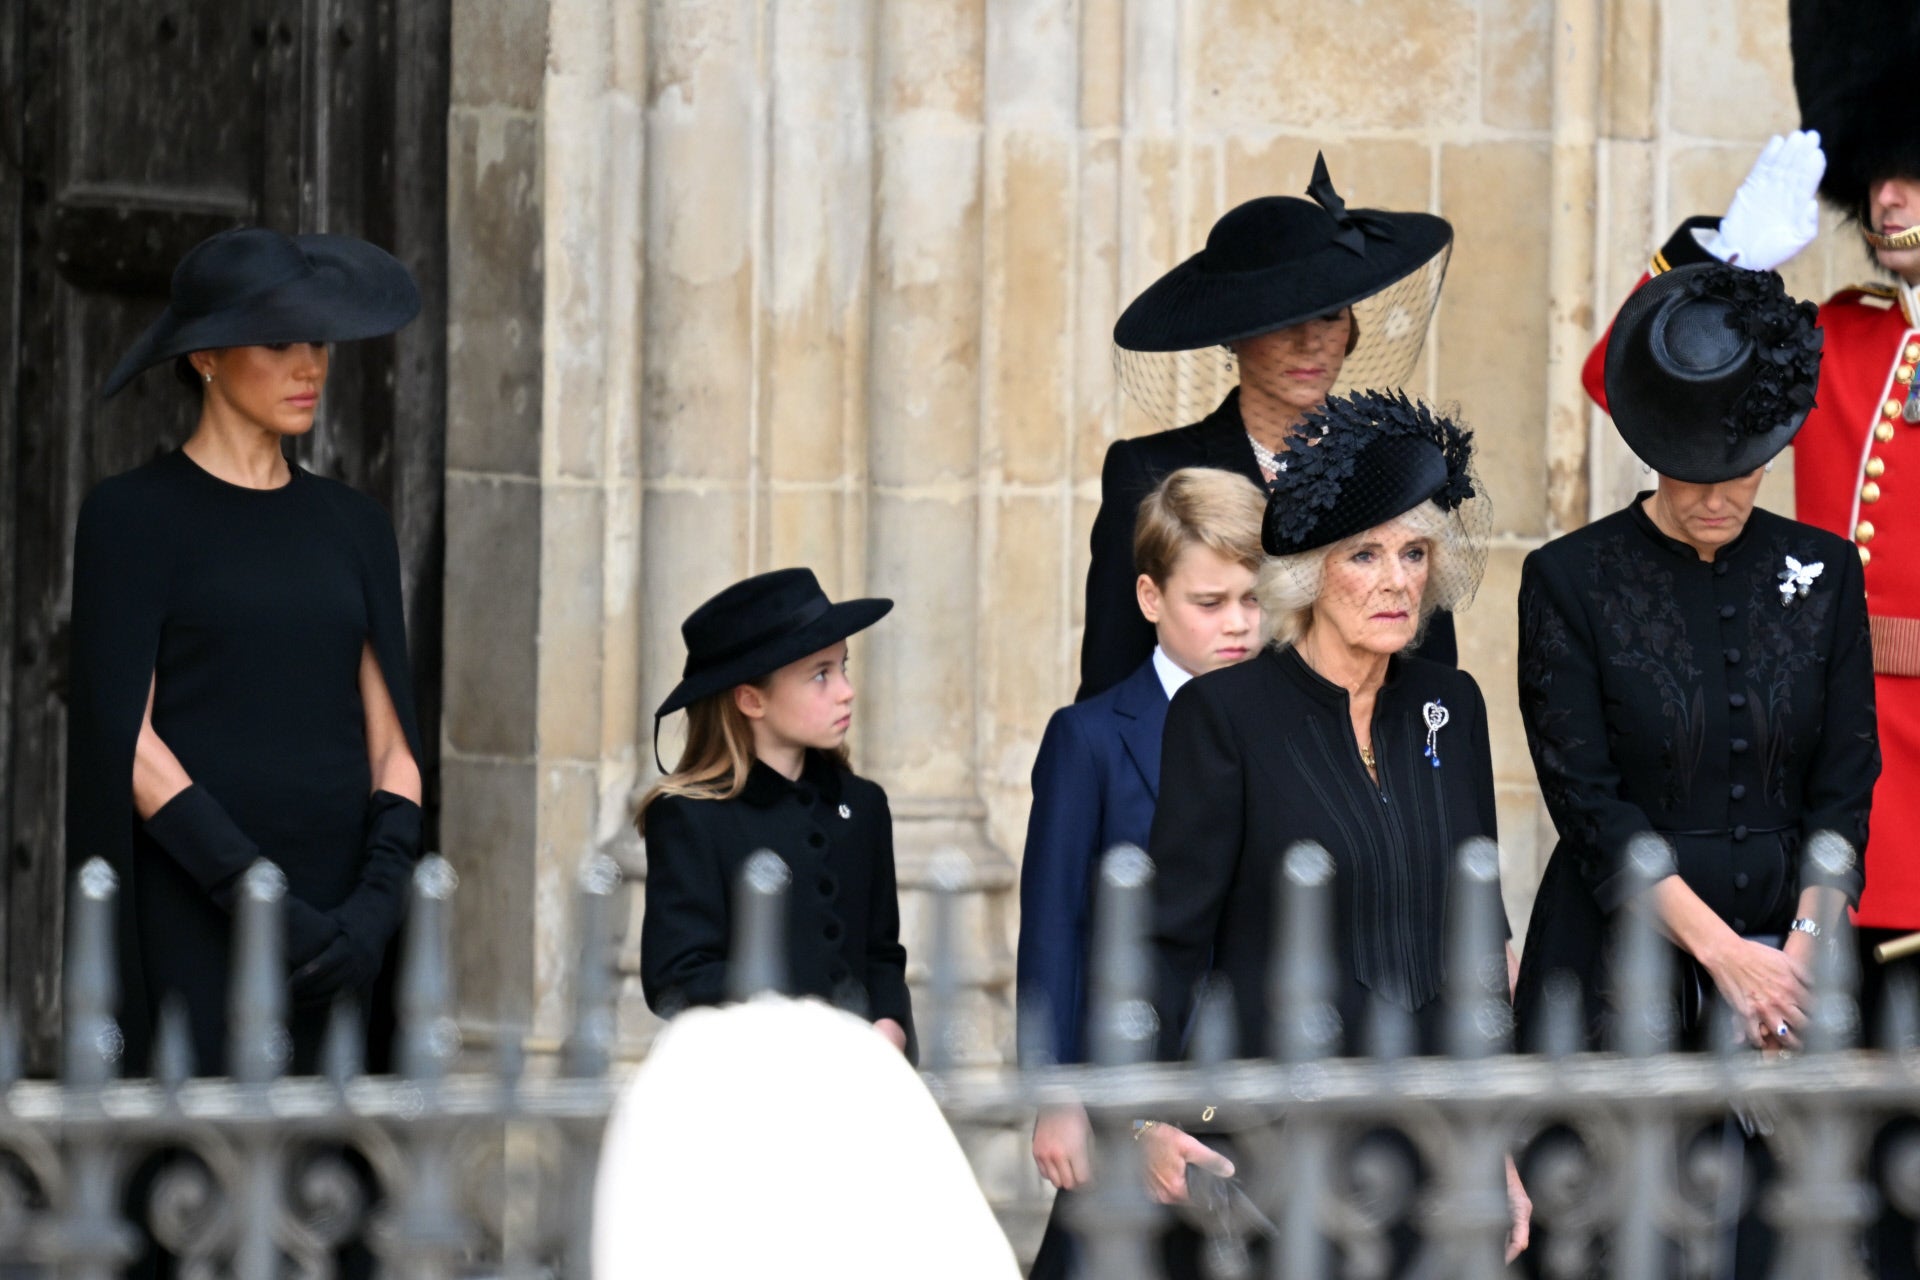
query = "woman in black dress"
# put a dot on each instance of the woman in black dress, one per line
(240, 680)
(1333, 735)
(1288, 298)
(1699, 668)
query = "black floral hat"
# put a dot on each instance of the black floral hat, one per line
(1711, 370)
(1360, 460)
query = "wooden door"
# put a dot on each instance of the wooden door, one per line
(130, 132)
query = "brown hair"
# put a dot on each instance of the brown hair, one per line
(1201, 506)
(718, 755)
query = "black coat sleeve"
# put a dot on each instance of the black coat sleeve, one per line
(1195, 844)
(1561, 707)
(1116, 638)
(121, 567)
(371, 534)
(1839, 784)
(684, 932)
(887, 995)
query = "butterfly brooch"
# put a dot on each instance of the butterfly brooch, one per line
(1796, 578)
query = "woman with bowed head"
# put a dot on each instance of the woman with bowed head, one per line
(240, 679)
(1334, 734)
(1289, 299)
(1698, 668)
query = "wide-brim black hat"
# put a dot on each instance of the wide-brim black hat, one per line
(252, 286)
(1853, 73)
(1711, 371)
(759, 625)
(1359, 461)
(1277, 261)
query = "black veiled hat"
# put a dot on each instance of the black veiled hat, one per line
(1711, 370)
(1360, 460)
(759, 625)
(1277, 261)
(252, 286)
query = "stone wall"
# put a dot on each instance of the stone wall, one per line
(739, 284)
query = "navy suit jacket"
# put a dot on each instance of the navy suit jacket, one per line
(1095, 783)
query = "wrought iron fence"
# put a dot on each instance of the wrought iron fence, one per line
(444, 1171)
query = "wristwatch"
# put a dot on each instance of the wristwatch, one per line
(1803, 925)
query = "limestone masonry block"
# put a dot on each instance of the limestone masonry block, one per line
(487, 830)
(1516, 48)
(807, 527)
(494, 293)
(1295, 64)
(1374, 174)
(1491, 338)
(1488, 633)
(1030, 320)
(1631, 69)
(499, 53)
(572, 621)
(1744, 89)
(492, 594)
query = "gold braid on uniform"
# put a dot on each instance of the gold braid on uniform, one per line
(1908, 239)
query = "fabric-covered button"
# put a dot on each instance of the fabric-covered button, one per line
(1739, 924)
(1733, 655)
(1739, 879)
(1727, 611)
(1740, 832)
(1720, 568)
(826, 887)
(1738, 745)
(816, 840)
(1736, 700)
(1738, 791)
(831, 930)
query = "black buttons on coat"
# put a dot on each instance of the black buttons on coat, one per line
(1739, 924)
(1740, 833)
(1740, 880)
(1739, 745)
(1733, 655)
(827, 887)
(1719, 568)
(816, 840)
(831, 931)
(1727, 611)
(1738, 791)
(1736, 700)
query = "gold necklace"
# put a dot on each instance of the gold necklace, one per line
(1366, 758)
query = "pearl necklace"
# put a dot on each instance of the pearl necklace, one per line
(1269, 460)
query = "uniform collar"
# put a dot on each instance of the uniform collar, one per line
(1909, 302)
(819, 776)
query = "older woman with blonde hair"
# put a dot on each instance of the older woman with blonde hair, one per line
(1333, 734)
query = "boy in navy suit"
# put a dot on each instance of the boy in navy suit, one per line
(1196, 550)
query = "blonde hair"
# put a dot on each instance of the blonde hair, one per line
(718, 754)
(1198, 506)
(1289, 585)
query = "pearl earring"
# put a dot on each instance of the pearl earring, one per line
(206, 377)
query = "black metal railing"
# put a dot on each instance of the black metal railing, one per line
(451, 1169)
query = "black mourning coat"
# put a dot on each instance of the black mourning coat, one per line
(1663, 692)
(1262, 754)
(248, 610)
(834, 831)
(1117, 638)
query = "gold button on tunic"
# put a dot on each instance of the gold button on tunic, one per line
(1876, 467)
(1870, 492)
(1863, 532)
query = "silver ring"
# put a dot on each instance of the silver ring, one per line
(1782, 1033)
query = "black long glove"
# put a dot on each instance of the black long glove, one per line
(197, 833)
(371, 915)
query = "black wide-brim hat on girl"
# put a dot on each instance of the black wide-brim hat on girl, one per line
(1711, 371)
(757, 626)
(252, 286)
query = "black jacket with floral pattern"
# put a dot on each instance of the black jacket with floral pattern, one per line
(1725, 704)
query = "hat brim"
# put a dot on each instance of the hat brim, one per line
(837, 623)
(356, 290)
(1189, 307)
(1675, 426)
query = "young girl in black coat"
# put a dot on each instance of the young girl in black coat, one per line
(765, 767)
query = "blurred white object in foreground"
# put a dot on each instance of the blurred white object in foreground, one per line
(785, 1138)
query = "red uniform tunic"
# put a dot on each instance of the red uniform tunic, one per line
(1856, 472)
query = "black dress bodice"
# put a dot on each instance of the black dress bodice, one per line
(1698, 700)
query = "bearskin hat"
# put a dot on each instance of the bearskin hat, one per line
(1853, 70)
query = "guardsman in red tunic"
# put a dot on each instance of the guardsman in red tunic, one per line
(1857, 460)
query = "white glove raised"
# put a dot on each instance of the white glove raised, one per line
(1774, 214)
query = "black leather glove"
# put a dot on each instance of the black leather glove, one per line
(199, 835)
(372, 913)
